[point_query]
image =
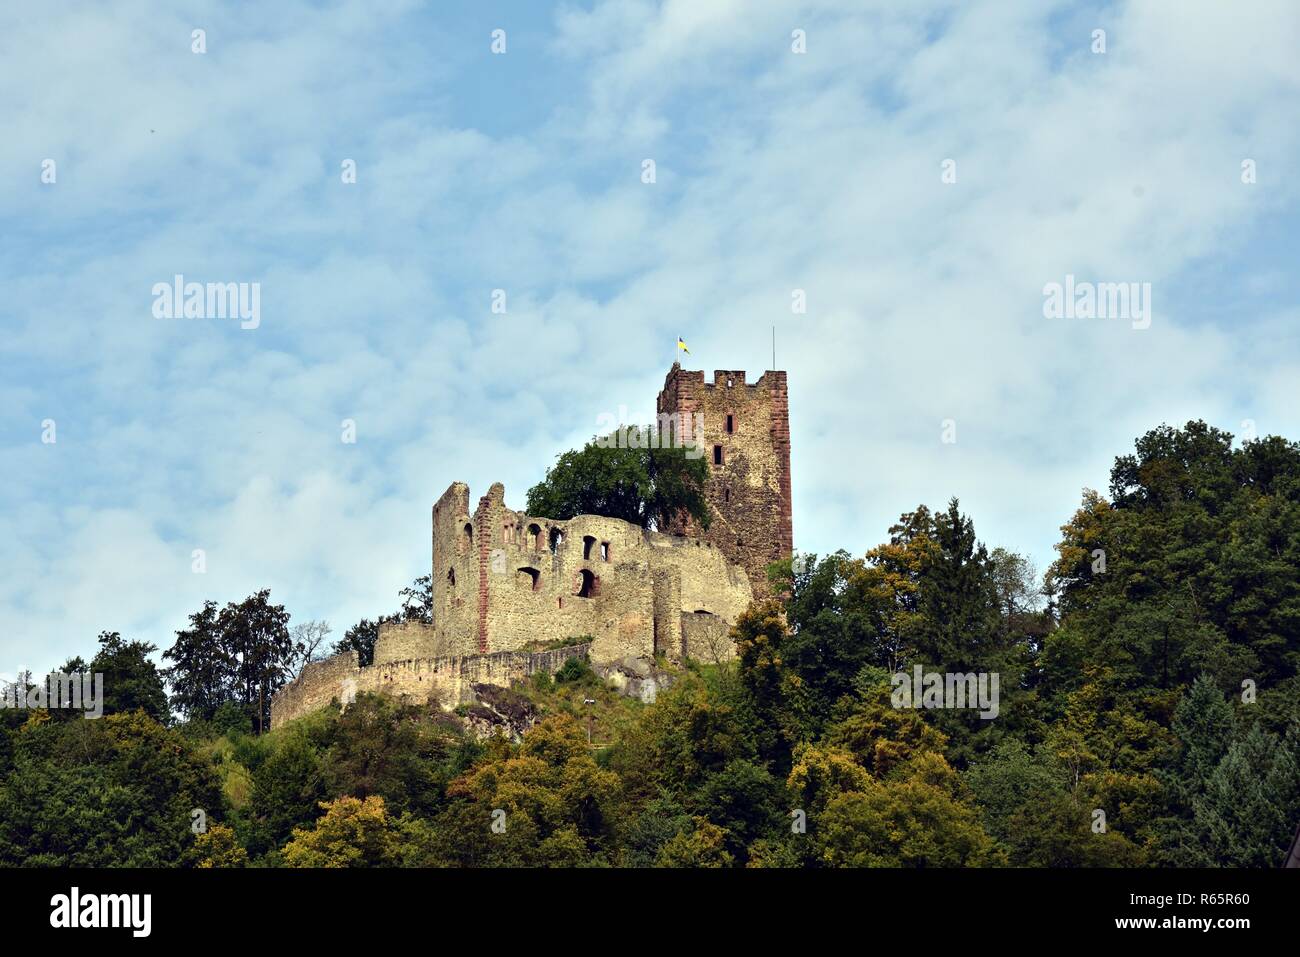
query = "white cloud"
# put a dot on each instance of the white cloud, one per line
(777, 171)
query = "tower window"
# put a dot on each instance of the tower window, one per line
(717, 455)
(468, 540)
(588, 585)
(731, 424)
(604, 551)
(726, 495)
(535, 536)
(557, 537)
(588, 543)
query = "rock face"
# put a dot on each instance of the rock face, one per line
(499, 711)
(506, 583)
(636, 678)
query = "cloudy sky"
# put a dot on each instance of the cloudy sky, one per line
(522, 171)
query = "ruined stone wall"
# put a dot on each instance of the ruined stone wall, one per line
(320, 683)
(707, 638)
(708, 579)
(455, 573)
(537, 581)
(749, 490)
(447, 679)
(410, 639)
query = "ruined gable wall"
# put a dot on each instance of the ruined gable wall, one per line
(455, 572)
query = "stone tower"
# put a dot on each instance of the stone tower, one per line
(746, 443)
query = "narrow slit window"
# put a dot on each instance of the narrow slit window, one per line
(717, 455)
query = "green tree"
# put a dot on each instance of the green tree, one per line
(131, 680)
(1247, 815)
(256, 636)
(288, 787)
(915, 818)
(112, 792)
(351, 833)
(218, 847)
(650, 487)
(200, 674)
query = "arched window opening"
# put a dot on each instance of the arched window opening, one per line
(557, 539)
(604, 551)
(588, 542)
(530, 578)
(588, 584)
(467, 536)
(535, 536)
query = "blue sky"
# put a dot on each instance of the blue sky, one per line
(522, 171)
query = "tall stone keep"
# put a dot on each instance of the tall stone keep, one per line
(746, 442)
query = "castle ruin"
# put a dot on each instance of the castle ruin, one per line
(515, 594)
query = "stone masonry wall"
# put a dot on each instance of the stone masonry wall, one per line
(448, 680)
(411, 639)
(540, 581)
(749, 489)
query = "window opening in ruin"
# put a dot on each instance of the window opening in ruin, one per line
(588, 584)
(604, 551)
(530, 577)
(731, 424)
(717, 455)
(451, 577)
(535, 536)
(587, 543)
(557, 538)
(469, 535)
(726, 495)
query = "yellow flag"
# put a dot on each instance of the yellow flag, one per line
(682, 345)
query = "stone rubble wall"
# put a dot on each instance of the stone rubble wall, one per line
(449, 680)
